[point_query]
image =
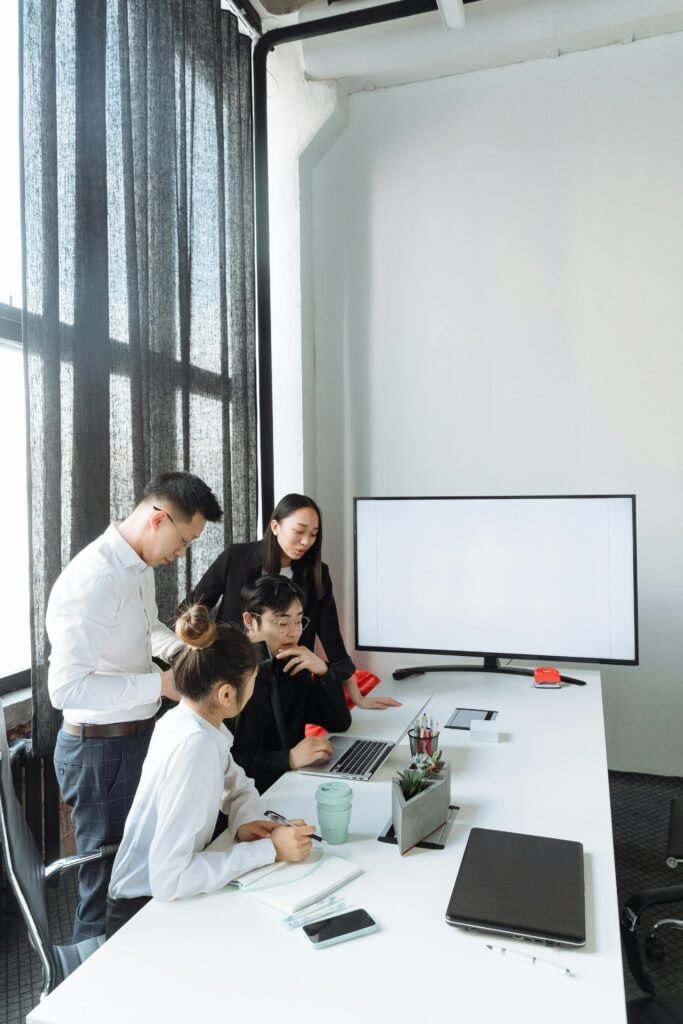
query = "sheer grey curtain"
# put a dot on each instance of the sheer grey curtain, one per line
(139, 303)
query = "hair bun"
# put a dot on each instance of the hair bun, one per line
(196, 628)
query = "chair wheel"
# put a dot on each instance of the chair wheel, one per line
(653, 949)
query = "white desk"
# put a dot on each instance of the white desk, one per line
(227, 957)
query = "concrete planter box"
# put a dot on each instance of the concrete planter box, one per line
(415, 818)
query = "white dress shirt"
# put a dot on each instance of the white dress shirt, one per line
(103, 625)
(188, 775)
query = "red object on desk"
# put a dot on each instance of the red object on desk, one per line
(366, 682)
(547, 675)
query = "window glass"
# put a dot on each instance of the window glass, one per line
(15, 651)
(15, 654)
(10, 225)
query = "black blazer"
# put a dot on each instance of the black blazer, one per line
(274, 719)
(243, 563)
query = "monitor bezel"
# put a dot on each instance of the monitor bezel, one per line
(513, 656)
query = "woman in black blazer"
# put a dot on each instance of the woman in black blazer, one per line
(291, 545)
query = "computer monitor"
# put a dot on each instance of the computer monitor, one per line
(543, 577)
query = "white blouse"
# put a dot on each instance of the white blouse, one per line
(188, 775)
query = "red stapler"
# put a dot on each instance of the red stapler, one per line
(547, 678)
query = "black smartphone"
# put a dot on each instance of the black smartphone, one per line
(340, 928)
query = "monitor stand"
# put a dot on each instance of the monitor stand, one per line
(491, 664)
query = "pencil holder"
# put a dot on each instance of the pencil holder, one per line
(423, 744)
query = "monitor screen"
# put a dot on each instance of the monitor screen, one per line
(548, 578)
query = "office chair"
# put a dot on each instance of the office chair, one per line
(654, 1009)
(27, 876)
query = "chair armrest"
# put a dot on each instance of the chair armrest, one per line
(66, 863)
(674, 845)
(640, 901)
(630, 916)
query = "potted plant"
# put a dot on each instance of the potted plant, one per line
(434, 767)
(419, 803)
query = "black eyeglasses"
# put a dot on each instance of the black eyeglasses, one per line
(185, 543)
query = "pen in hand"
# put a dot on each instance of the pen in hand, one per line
(533, 961)
(274, 816)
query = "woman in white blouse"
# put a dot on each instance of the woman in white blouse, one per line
(188, 775)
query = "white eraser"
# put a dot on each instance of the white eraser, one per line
(484, 732)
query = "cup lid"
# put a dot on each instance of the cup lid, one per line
(334, 790)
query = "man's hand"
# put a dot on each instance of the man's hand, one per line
(292, 844)
(168, 685)
(300, 658)
(252, 830)
(309, 750)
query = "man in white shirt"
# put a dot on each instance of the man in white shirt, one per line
(103, 625)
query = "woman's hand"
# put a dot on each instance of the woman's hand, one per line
(292, 844)
(369, 703)
(301, 658)
(252, 830)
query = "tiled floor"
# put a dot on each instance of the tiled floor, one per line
(640, 810)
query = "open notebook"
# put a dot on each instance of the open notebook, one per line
(290, 887)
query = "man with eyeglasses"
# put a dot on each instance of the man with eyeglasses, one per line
(293, 686)
(104, 628)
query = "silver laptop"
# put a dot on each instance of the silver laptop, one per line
(357, 757)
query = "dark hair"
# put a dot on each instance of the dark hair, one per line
(213, 653)
(187, 495)
(311, 563)
(270, 594)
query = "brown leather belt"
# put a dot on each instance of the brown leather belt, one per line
(110, 729)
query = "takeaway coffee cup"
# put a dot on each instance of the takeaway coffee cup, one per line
(333, 800)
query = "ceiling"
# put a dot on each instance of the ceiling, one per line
(496, 32)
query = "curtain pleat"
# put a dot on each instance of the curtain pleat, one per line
(139, 305)
(90, 351)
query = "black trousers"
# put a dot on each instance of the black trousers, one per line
(120, 911)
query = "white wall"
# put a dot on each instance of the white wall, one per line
(297, 114)
(495, 300)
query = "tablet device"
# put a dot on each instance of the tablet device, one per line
(462, 718)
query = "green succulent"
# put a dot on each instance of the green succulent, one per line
(411, 782)
(427, 763)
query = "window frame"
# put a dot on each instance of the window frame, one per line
(10, 323)
(209, 382)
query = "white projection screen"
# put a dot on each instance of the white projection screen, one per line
(551, 578)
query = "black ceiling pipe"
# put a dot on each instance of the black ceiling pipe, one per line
(267, 43)
(250, 14)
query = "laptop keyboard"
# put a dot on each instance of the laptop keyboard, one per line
(360, 758)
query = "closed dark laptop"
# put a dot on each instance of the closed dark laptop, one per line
(526, 886)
